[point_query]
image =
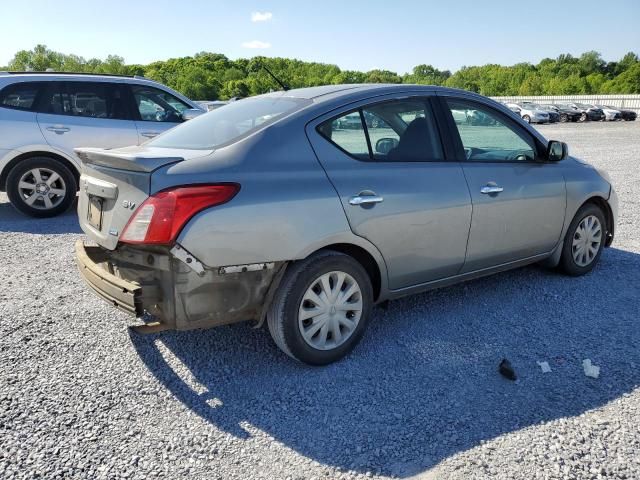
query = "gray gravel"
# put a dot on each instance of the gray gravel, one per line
(82, 398)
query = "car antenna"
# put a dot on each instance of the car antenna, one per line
(284, 86)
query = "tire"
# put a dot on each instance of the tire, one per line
(564, 118)
(49, 197)
(571, 261)
(283, 317)
(583, 117)
(526, 118)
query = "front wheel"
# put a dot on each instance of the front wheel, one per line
(526, 118)
(584, 241)
(564, 118)
(583, 117)
(41, 187)
(321, 308)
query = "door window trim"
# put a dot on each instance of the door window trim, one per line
(456, 140)
(430, 103)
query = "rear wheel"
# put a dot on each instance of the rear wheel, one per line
(584, 241)
(564, 118)
(583, 117)
(526, 118)
(321, 308)
(41, 187)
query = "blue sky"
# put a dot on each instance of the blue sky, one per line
(354, 34)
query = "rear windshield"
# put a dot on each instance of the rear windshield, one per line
(229, 123)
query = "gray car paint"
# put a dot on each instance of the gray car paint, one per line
(292, 201)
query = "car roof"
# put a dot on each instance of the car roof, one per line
(13, 77)
(65, 74)
(334, 92)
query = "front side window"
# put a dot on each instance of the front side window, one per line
(20, 96)
(156, 105)
(86, 99)
(229, 123)
(396, 131)
(486, 136)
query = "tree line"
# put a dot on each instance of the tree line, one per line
(210, 76)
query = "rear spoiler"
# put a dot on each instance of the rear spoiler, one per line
(122, 160)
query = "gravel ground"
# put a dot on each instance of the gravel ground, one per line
(81, 397)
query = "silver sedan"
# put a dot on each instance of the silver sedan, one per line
(269, 209)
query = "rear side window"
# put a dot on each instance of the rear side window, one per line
(87, 99)
(20, 96)
(396, 131)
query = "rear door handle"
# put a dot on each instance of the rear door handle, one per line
(488, 189)
(58, 129)
(149, 134)
(365, 199)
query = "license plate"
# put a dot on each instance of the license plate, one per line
(94, 216)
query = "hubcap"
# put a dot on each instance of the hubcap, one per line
(587, 240)
(330, 310)
(42, 188)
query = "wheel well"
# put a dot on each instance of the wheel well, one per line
(365, 259)
(608, 215)
(5, 172)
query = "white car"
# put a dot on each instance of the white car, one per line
(529, 114)
(44, 116)
(610, 114)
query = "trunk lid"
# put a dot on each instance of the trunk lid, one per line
(113, 184)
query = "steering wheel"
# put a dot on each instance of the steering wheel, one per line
(470, 152)
(517, 156)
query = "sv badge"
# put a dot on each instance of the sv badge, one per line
(128, 204)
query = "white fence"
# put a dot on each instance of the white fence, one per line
(631, 102)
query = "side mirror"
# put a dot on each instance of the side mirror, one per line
(557, 151)
(191, 113)
(385, 145)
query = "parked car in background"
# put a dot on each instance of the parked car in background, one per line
(554, 117)
(587, 112)
(610, 114)
(305, 225)
(565, 114)
(529, 114)
(44, 116)
(625, 114)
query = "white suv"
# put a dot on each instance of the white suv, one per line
(44, 116)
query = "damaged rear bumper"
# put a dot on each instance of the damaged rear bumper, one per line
(115, 290)
(173, 289)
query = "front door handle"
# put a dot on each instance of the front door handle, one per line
(489, 189)
(60, 129)
(149, 134)
(365, 199)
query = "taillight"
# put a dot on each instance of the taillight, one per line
(160, 218)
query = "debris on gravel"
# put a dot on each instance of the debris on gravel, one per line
(83, 397)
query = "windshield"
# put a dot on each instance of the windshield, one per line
(229, 123)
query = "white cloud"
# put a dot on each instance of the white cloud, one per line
(256, 44)
(261, 16)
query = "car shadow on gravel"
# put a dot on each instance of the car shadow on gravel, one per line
(13, 221)
(423, 385)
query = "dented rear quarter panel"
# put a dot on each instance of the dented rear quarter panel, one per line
(285, 210)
